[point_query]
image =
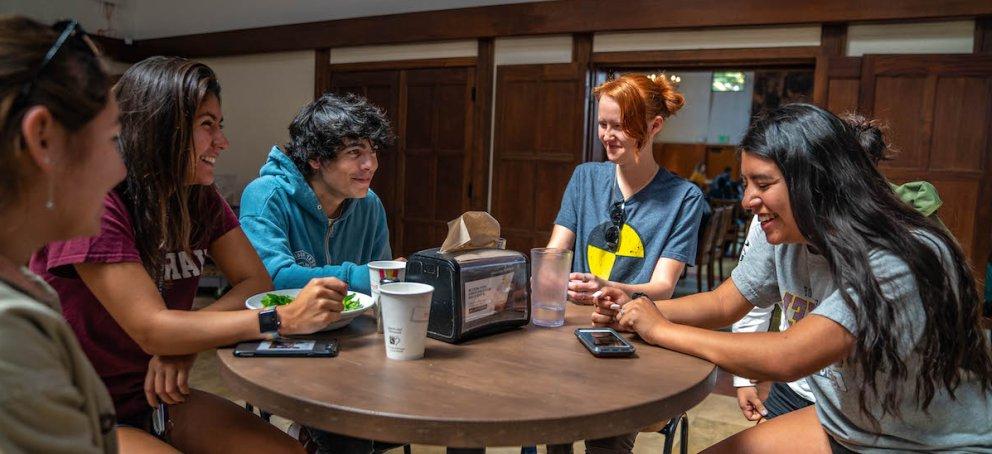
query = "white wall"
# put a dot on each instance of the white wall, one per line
(529, 50)
(730, 113)
(689, 125)
(716, 38)
(89, 13)
(957, 37)
(260, 96)
(144, 19)
(158, 18)
(444, 49)
(708, 116)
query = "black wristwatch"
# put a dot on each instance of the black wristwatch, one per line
(268, 322)
(637, 295)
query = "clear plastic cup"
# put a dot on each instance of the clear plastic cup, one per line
(549, 270)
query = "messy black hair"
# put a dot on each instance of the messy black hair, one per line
(326, 126)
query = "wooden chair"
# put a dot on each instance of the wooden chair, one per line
(727, 233)
(706, 249)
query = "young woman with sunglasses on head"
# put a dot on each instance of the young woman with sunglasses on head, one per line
(632, 224)
(889, 334)
(128, 291)
(58, 152)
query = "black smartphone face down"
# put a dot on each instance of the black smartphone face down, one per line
(288, 348)
(604, 342)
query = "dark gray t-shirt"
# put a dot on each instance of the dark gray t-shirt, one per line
(662, 221)
(801, 280)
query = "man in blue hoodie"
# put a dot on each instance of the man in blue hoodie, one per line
(310, 213)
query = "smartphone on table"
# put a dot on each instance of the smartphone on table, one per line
(604, 342)
(281, 347)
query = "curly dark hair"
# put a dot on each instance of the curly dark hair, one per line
(324, 127)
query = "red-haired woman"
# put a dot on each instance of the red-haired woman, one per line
(632, 224)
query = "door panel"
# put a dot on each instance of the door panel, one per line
(423, 180)
(899, 103)
(538, 143)
(381, 88)
(961, 107)
(938, 109)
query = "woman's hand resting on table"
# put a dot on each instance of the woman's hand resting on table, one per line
(581, 286)
(616, 310)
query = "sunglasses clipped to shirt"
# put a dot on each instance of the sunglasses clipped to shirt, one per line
(618, 216)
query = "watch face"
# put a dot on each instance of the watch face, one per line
(268, 321)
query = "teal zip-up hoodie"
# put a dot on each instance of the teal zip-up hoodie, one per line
(283, 219)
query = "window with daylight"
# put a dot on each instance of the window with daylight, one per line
(728, 81)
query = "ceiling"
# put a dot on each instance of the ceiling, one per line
(144, 19)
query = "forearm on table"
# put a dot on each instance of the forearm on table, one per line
(751, 355)
(717, 308)
(235, 298)
(177, 332)
(659, 290)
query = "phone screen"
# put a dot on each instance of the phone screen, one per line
(284, 345)
(605, 339)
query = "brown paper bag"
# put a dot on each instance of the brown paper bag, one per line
(472, 230)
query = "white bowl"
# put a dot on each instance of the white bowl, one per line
(255, 302)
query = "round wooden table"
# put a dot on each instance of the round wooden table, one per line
(523, 387)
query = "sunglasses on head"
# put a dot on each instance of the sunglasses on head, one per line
(618, 217)
(69, 28)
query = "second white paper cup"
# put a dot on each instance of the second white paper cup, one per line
(393, 270)
(406, 309)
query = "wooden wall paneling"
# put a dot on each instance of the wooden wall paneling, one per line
(679, 158)
(537, 18)
(322, 72)
(484, 84)
(719, 157)
(833, 39)
(381, 88)
(844, 85)
(438, 152)
(983, 35)
(582, 58)
(425, 180)
(833, 44)
(905, 105)
(961, 107)
(939, 108)
(539, 111)
(744, 58)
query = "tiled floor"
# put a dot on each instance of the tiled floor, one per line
(714, 419)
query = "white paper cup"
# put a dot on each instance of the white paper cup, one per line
(393, 270)
(406, 308)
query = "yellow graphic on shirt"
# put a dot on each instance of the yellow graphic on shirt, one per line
(601, 260)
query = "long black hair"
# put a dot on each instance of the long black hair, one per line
(158, 98)
(845, 209)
